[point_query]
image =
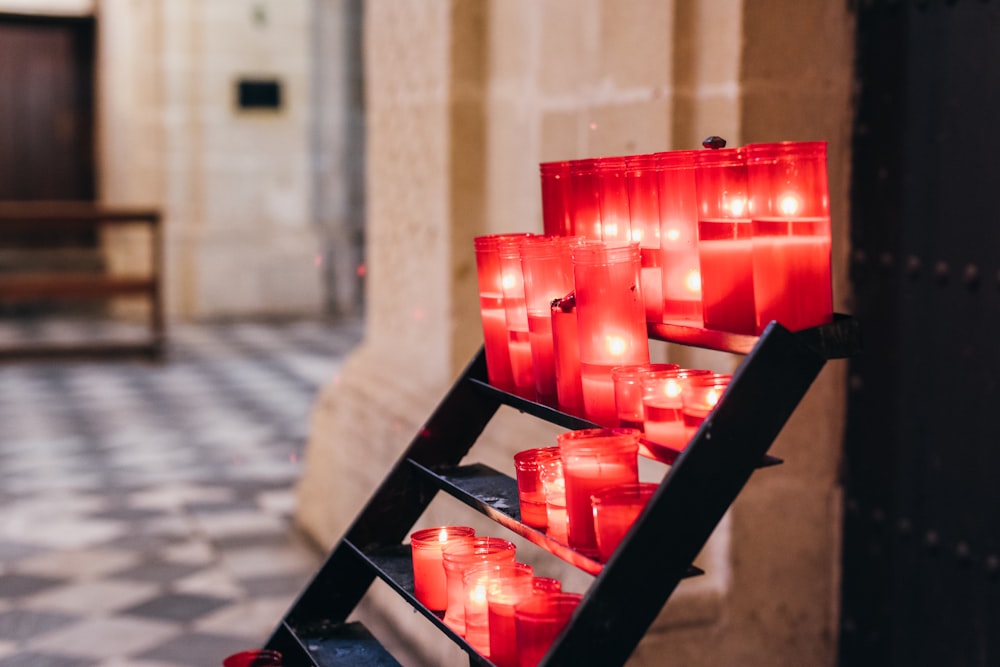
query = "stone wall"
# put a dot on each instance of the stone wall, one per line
(464, 99)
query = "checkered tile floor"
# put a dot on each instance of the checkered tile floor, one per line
(145, 507)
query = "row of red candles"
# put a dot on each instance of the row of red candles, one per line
(559, 311)
(731, 237)
(497, 604)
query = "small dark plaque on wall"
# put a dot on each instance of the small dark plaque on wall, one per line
(258, 94)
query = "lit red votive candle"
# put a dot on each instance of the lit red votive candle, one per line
(530, 492)
(662, 406)
(492, 590)
(539, 620)
(426, 545)
(628, 391)
(458, 557)
(615, 510)
(699, 396)
(591, 460)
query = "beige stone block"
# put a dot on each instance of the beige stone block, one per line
(626, 129)
(560, 136)
(635, 43)
(568, 48)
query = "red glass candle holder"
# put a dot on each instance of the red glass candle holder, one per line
(615, 510)
(628, 391)
(516, 311)
(678, 201)
(546, 585)
(725, 243)
(429, 584)
(584, 198)
(550, 472)
(613, 201)
(566, 349)
(699, 397)
(644, 220)
(491, 591)
(477, 582)
(556, 219)
(593, 459)
(492, 309)
(530, 492)
(611, 318)
(539, 620)
(254, 658)
(790, 209)
(458, 557)
(662, 406)
(547, 268)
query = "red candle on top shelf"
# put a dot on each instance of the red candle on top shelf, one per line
(613, 201)
(492, 310)
(515, 308)
(644, 220)
(611, 319)
(725, 243)
(593, 459)
(429, 583)
(699, 397)
(584, 198)
(789, 206)
(547, 269)
(678, 201)
(556, 220)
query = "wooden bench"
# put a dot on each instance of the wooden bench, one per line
(55, 219)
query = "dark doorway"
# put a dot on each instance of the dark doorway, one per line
(46, 108)
(921, 575)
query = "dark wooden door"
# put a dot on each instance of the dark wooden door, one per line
(46, 108)
(921, 576)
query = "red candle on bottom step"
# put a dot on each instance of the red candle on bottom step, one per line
(539, 619)
(459, 557)
(507, 586)
(429, 583)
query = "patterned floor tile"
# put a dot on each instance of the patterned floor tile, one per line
(196, 649)
(179, 607)
(100, 637)
(26, 624)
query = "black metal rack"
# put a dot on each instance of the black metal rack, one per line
(623, 599)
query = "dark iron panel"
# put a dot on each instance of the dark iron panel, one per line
(922, 536)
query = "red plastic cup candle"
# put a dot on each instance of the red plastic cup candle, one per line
(516, 312)
(593, 459)
(460, 556)
(699, 396)
(725, 243)
(615, 510)
(491, 590)
(678, 201)
(556, 219)
(790, 209)
(254, 658)
(611, 320)
(547, 268)
(539, 620)
(492, 310)
(662, 406)
(613, 201)
(628, 391)
(566, 348)
(554, 487)
(530, 492)
(584, 198)
(644, 221)
(429, 584)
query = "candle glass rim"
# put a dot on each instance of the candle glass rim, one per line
(638, 370)
(526, 457)
(610, 440)
(562, 601)
(458, 552)
(611, 495)
(762, 153)
(432, 534)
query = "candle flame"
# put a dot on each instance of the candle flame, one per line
(692, 281)
(610, 229)
(673, 234)
(712, 397)
(737, 206)
(636, 234)
(789, 205)
(508, 281)
(616, 345)
(673, 388)
(443, 536)
(477, 595)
